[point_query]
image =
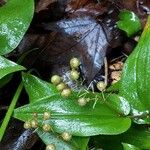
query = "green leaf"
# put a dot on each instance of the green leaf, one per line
(129, 147)
(76, 143)
(37, 88)
(135, 85)
(15, 18)
(114, 88)
(137, 135)
(10, 111)
(118, 104)
(7, 67)
(67, 115)
(129, 22)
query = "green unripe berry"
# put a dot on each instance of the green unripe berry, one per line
(101, 86)
(74, 75)
(66, 93)
(46, 127)
(66, 136)
(51, 147)
(35, 114)
(34, 123)
(61, 86)
(55, 79)
(74, 63)
(27, 125)
(46, 115)
(82, 101)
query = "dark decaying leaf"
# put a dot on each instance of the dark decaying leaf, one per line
(2, 2)
(86, 37)
(80, 37)
(43, 4)
(16, 138)
(86, 7)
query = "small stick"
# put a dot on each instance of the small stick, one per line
(106, 71)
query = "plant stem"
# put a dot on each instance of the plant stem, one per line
(10, 110)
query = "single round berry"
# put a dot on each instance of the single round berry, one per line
(50, 147)
(66, 93)
(46, 127)
(82, 101)
(27, 125)
(55, 79)
(46, 115)
(35, 114)
(34, 123)
(61, 86)
(74, 63)
(66, 136)
(74, 75)
(101, 86)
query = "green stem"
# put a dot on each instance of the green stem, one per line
(10, 111)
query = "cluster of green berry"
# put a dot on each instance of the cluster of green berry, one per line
(34, 122)
(46, 128)
(101, 86)
(74, 75)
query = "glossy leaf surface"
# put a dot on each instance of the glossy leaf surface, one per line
(7, 67)
(129, 22)
(41, 89)
(67, 115)
(75, 143)
(135, 80)
(15, 19)
(129, 147)
(79, 121)
(137, 135)
(37, 88)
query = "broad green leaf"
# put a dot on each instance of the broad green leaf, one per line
(15, 18)
(129, 147)
(137, 135)
(114, 87)
(118, 104)
(67, 115)
(135, 85)
(7, 67)
(37, 88)
(8, 77)
(76, 143)
(129, 22)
